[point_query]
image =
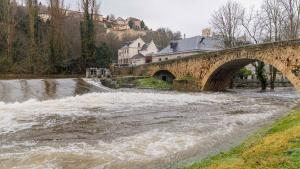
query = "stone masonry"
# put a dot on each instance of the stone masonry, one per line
(213, 71)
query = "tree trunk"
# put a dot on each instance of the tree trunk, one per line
(273, 73)
(261, 76)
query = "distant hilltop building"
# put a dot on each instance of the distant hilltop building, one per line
(108, 22)
(187, 47)
(135, 23)
(136, 52)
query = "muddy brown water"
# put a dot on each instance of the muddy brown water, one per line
(73, 124)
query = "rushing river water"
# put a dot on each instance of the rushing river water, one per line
(71, 124)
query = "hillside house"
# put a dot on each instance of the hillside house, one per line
(108, 22)
(120, 21)
(135, 52)
(45, 17)
(136, 23)
(120, 24)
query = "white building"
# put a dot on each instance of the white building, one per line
(45, 17)
(120, 21)
(135, 52)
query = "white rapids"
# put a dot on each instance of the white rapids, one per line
(131, 128)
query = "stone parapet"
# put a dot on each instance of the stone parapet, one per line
(213, 71)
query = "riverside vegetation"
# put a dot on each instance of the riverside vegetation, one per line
(153, 83)
(140, 82)
(274, 147)
(63, 43)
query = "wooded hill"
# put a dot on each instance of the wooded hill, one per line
(63, 44)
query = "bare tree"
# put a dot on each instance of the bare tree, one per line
(291, 12)
(32, 8)
(273, 12)
(274, 19)
(8, 25)
(254, 25)
(111, 17)
(227, 22)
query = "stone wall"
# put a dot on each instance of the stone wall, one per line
(160, 58)
(121, 71)
(185, 85)
(256, 84)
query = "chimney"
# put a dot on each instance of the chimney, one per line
(202, 39)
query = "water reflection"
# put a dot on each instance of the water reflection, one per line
(50, 88)
(43, 89)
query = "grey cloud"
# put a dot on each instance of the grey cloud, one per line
(187, 16)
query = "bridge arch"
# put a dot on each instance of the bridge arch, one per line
(165, 75)
(220, 74)
(213, 70)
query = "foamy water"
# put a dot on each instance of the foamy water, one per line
(130, 128)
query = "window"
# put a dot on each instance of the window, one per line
(139, 45)
(164, 78)
(159, 59)
(166, 59)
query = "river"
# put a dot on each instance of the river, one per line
(73, 124)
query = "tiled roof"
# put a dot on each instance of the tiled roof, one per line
(145, 47)
(197, 43)
(127, 44)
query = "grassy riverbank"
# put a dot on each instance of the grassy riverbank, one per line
(271, 148)
(152, 83)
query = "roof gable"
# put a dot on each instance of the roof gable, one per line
(134, 43)
(197, 43)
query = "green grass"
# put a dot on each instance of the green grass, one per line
(187, 78)
(277, 147)
(153, 83)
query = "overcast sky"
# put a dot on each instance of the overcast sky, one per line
(186, 16)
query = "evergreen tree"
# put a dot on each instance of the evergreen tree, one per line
(130, 23)
(104, 55)
(143, 25)
(58, 50)
(261, 75)
(88, 48)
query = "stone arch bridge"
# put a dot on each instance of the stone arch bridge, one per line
(213, 71)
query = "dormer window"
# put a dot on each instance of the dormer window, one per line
(173, 45)
(139, 45)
